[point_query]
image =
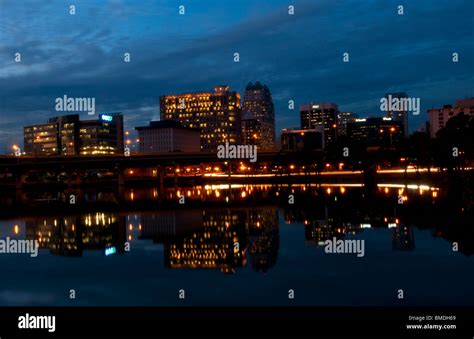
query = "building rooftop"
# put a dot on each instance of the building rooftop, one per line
(221, 89)
(165, 124)
(468, 102)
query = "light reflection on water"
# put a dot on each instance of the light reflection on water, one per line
(265, 248)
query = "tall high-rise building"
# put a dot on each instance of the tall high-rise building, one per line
(217, 114)
(67, 135)
(256, 132)
(258, 101)
(344, 118)
(402, 115)
(320, 114)
(439, 116)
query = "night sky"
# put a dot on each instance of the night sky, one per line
(299, 57)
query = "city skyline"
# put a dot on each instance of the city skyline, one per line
(98, 37)
(180, 163)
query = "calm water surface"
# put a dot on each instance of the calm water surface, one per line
(236, 250)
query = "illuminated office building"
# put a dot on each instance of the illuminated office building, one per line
(42, 139)
(258, 101)
(343, 119)
(67, 135)
(321, 114)
(256, 132)
(102, 136)
(217, 114)
(376, 131)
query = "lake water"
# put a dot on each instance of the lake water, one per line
(246, 246)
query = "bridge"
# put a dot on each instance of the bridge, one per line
(25, 163)
(15, 169)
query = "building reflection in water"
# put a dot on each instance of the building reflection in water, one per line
(264, 238)
(318, 231)
(70, 236)
(215, 238)
(219, 243)
(403, 238)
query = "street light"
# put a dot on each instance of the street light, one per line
(392, 129)
(16, 150)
